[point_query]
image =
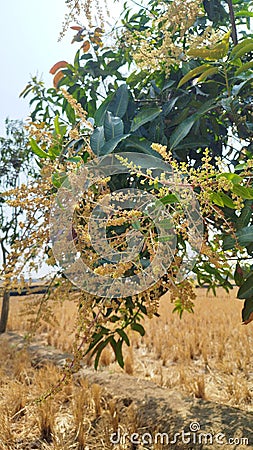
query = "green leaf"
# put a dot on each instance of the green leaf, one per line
(238, 275)
(215, 11)
(240, 46)
(213, 271)
(97, 140)
(119, 103)
(86, 56)
(113, 126)
(245, 216)
(110, 146)
(144, 116)
(101, 111)
(244, 68)
(244, 237)
(156, 131)
(124, 336)
(168, 84)
(71, 115)
(244, 13)
(242, 191)
(184, 128)
(227, 201)
(247, 312)
(26, 90)
(168, 199)
(117, 348)
(164, 239)
(98, 350)
(217, 199)
(138, 327)
(37, 150)
(181, 132)
(238, 87)
(56, 125)
(217, 51)
(141, 144)
(242, 51)
(75, 159)
(76, 60)
(136, 225)
(240, 166)
(231, 177)
(188, 143)
(97, 338)
(166, 224)
(207, 73)
(168, 106)
(193, 73)
(54, 151)
(58, 179)
(246, 290)
(136, 77)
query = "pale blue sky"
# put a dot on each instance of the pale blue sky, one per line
(29, 31)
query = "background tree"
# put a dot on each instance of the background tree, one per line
(16, 166)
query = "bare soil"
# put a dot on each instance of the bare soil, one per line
(158, 409)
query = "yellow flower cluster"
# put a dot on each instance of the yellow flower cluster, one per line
(224, 183)
(184, 293)
(161, 149)
(74, 134)
(238, 201)
(124, 217)
(35, 203)
(77, 108)
(173, 21)
(214, 256)
(40, 132)
(208, 38)
(114, 271)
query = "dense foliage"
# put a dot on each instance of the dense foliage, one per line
(179, 90)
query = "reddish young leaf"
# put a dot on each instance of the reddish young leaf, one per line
(57, 78)
(86, 46)
(57, 66)
(76, 28)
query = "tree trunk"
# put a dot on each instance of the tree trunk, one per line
(5, 311)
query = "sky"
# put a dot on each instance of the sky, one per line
(29, 30)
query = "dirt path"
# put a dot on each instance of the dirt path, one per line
(156, 405)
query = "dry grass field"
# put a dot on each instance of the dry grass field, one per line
(206, 355)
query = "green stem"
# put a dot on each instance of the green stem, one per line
(227, 83)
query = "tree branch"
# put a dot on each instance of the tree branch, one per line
(232, 20)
